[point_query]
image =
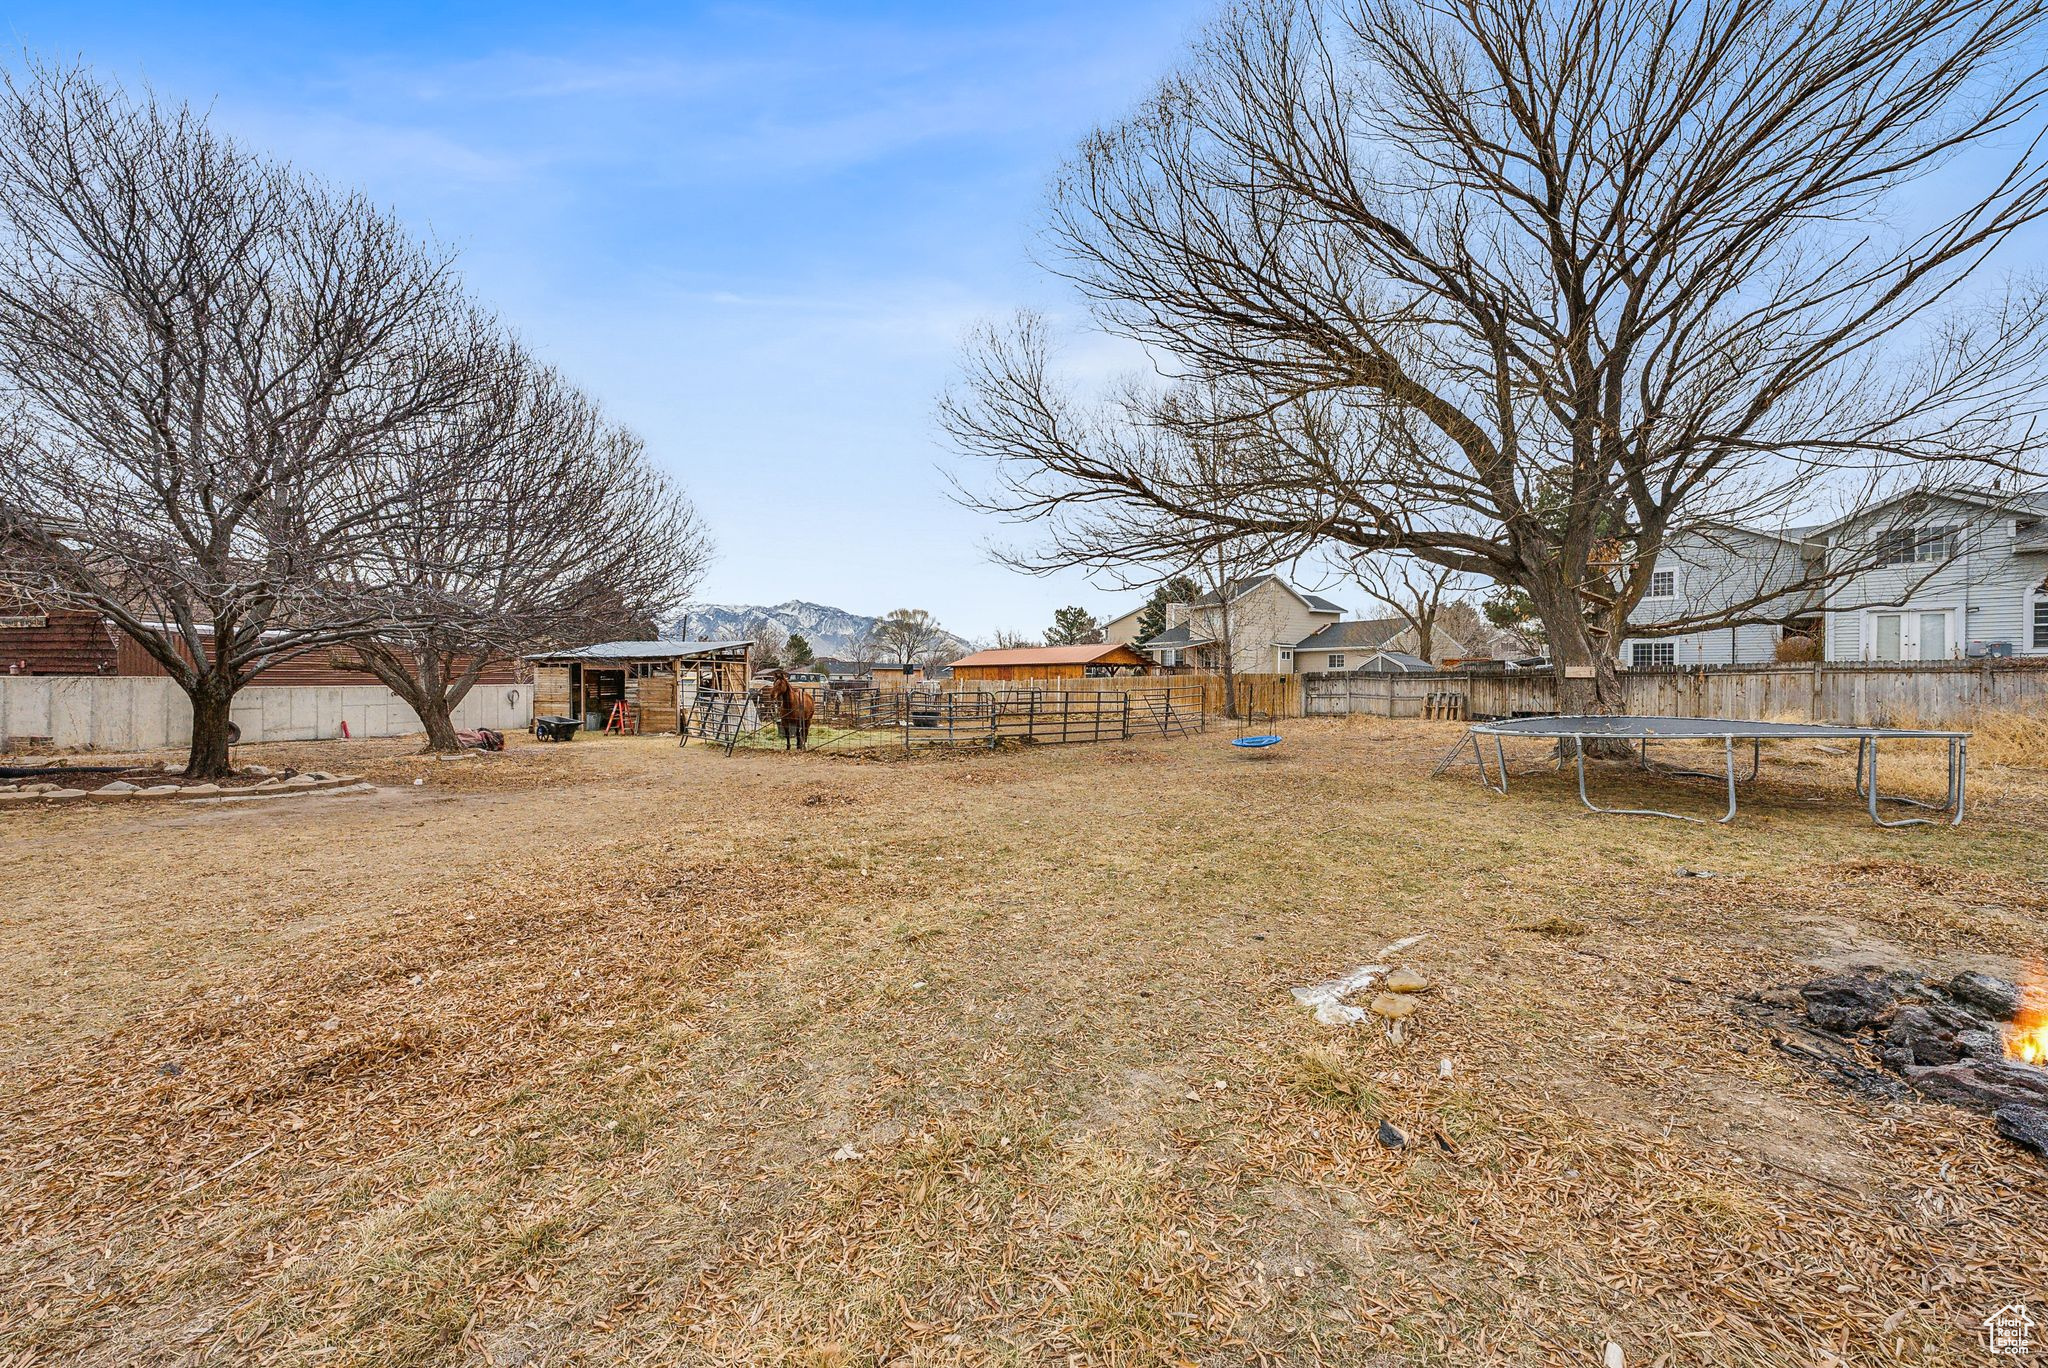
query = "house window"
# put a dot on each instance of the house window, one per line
(1917, 545)
(1644, 654)
(1169, 658)
(1336, 660)
(1663, 584)
(2040, 636)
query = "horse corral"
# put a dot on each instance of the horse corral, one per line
(902, 719)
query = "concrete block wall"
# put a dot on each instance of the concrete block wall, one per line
(130, 713)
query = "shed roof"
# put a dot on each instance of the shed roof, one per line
(1397, 662)
(640, 650)
(1174, 638)
(1088, 654)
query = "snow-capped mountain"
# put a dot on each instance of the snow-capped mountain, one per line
(831, 631)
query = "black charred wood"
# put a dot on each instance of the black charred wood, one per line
(2024, 1125)
(1997, 998)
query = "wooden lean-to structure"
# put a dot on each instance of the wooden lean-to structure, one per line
(657, 681)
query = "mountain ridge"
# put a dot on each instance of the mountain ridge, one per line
(831, 631)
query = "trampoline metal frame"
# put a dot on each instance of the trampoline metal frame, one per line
(1727, 732)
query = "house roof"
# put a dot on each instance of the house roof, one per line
(1174, 638)
(1045, 655)
(2033, 502)
(1364, 634)
(1237, 589)
(640, 650)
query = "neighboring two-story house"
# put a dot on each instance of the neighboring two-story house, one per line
(1272, 628)
(1259, 618)
(1923, 576)
(1712, 570)
(1941, 577)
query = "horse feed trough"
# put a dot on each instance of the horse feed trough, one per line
(1644, 730)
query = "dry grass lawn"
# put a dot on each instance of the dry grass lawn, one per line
(614, 1053)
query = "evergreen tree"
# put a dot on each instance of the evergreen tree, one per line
(1152, 618)
(1073, 626)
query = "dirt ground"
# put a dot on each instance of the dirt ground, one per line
(615, 1053)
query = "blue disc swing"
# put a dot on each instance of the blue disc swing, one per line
(1253, 745)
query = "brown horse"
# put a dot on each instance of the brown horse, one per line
(794, 708)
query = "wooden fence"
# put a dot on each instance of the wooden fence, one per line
(1934, 694)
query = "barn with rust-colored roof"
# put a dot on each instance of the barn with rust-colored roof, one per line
(1097, 660)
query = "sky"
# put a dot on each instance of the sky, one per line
(757, 233)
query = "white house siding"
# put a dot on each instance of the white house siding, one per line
(1710, 574)
(1986, 591)
(1755, 644)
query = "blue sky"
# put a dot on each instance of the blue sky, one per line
(757, 233)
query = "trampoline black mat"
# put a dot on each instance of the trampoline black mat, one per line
(1697, 729)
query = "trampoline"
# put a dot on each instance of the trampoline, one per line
(1643, 730)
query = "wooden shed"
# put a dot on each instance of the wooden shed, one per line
(656, 680)
(1099, 660)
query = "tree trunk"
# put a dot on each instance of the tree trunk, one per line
(1588, 675)
(437, 715)
(213, 700)
(419, 678)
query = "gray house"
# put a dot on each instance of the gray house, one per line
(1714, 569)
(1923, 576)
(1944, 576)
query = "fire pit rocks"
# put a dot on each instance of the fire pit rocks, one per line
(1973, 1040)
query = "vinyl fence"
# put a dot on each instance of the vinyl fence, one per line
(1934, 694)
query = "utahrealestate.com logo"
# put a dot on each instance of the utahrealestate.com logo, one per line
(2009, 1331)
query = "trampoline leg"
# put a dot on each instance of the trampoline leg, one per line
(1871, 796)
(1951, 805)
(1958, 761)
(1479, 759)
(1500, 761)
(1579, 745)
(1728, 754)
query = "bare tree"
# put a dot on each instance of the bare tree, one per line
(205, 360)
(1527, 290)
(908, 636)
(770, 641)
(1237, 618)
(518, 520)
(1008, 640)
(1416, 591)
(1462, 621)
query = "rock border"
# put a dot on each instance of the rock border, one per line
(121, 791)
